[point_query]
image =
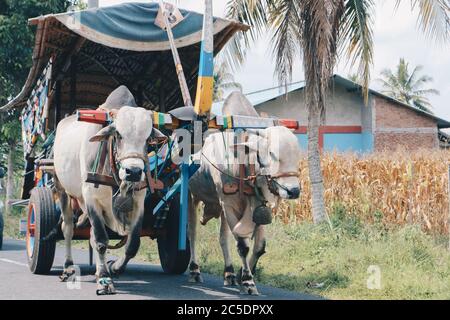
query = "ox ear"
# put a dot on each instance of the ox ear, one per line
(104, 133)
(157, 134)
(157, 137)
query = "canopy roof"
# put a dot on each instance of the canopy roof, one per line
(106, 47)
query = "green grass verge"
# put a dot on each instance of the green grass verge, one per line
(331, 263)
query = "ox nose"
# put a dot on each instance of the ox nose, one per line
(133, 174)
(294, 193)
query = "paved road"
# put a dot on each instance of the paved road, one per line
(140, 281)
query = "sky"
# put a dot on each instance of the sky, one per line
(396, 36)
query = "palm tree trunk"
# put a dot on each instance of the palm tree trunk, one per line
(10, 178)
(315, 169)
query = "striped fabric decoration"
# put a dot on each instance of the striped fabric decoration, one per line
(34, 115)
(161, 119)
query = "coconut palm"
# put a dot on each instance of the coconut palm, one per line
(408, 87)
(223, 80)
(319, 31)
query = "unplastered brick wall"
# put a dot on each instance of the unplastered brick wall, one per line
(408, 141)
(397, 126)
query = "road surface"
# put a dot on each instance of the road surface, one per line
(140, 281)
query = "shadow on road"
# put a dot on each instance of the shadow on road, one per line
(140, 281)
(12, 246)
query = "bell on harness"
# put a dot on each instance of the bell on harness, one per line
(262, 215)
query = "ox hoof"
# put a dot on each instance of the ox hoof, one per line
(195, 277)
(105, 286)
(67, 273)
(230, 280)
(249, 288)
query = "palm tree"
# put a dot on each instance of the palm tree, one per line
(408, 87)
(319, 31)
(223, 80)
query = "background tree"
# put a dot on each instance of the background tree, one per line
(318, 31)
(9, 150)
(16, 43)
(408, 87)
(223, 80)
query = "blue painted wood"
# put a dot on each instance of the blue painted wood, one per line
(184, 206)
(206, 68)
(168, 196)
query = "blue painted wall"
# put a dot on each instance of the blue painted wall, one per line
(303, 141)
(342, 142)
(368, 143)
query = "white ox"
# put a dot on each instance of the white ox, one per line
(75, 149)
(276, 157)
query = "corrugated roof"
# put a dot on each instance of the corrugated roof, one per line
(259, 97)
(442, 123)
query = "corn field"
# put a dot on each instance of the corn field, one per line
(400, 187)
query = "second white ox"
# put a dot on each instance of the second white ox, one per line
(276, 155)
(75, 150)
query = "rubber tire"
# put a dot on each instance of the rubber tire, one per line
(172, 260)
(1, 229)
(45, 220)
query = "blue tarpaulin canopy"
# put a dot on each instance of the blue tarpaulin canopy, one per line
(96, 50)
(131, 26)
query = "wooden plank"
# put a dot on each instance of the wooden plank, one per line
(57, 114)
(44, 162)
(53, 46)
(101, 179)
(73, 83)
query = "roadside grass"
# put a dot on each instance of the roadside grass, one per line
(11, 228)
(335, 263)
(332, 263)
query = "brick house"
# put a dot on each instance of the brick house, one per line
(350, 125)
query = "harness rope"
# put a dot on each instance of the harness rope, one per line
(249, 178)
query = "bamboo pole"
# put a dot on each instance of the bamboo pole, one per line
(176, 58)
(205, 85)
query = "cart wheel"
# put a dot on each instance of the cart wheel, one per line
(41, 220)
(173, 261)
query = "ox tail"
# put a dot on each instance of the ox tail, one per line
(81, 222)
(53, 234)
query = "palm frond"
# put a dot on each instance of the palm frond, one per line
(252, 13)
(357, 38)
(407, 87)
(433, 17)
(285, 20)
(426, 92)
